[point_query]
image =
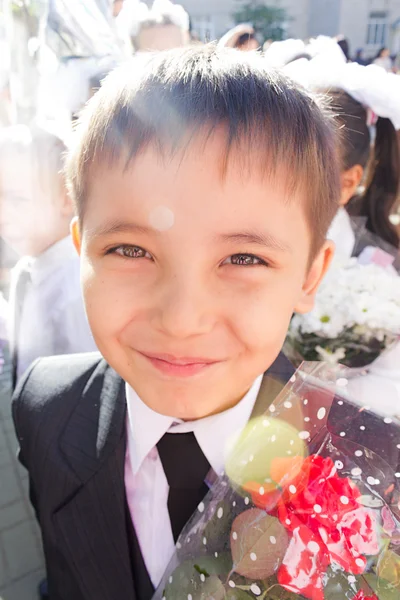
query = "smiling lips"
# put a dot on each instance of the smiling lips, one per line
(185, 366)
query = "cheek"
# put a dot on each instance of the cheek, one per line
(264, 314)
(264, 323)
(111, 300)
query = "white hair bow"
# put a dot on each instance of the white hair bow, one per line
(158, 12)
(372, 86)
(279, 54)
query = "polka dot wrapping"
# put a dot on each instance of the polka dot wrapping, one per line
(309, 497)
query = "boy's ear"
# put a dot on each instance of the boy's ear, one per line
(351, 179)
(76, 234)
(314, 277)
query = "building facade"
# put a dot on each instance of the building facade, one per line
(368, 24)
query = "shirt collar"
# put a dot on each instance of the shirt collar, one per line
(51, 259)
(341, 232)
(146, 427)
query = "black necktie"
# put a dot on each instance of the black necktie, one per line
(186, 468)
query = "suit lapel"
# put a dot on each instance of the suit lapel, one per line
(92, 523)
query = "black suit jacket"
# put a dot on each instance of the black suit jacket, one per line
(70, 414)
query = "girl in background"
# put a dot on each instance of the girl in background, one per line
(363, 96)
(383, 59)
(377, 167)
(242, 37)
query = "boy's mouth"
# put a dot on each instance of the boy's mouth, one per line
(182, 366)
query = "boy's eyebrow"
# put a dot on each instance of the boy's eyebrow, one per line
(256, 237)
(119, 227)
(242, 237)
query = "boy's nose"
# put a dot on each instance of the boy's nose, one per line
(184, 309)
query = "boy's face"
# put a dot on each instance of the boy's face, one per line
(190, 280)
(30, 215)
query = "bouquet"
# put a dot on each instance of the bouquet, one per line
(356, 315)
(308, 506)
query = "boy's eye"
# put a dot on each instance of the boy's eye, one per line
(246, 260)
(130, 252)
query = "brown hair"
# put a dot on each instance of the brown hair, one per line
(382, 162)
(167, 98)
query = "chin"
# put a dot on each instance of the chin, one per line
(183, 405)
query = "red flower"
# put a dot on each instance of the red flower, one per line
(304, 565)
(328, 525)
(361, 596)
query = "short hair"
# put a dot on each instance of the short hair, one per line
(45, 152)
(167, 98)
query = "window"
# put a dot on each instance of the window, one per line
(377, 29)
(204, 27)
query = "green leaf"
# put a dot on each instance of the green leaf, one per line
(370, 501)
(237, 594)
(195, 576)
(277, 592)
(388, 568)
(221, 565)
(201, 571)
(338, 587)
(258, 544)
(383, 589)
(218, 527)
(212, 589)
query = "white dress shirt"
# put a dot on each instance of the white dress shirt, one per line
(53, 319)
(341, 232)
(145, 481)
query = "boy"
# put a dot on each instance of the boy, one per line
(204, 186)
(47, 311)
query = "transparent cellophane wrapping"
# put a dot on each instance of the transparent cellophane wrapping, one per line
(308, 506)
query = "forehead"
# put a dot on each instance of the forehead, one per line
(160, 37)
(23, 175)
(196, 188)
(17, 173)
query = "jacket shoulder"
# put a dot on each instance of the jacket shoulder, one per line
(51, 377)
(48, 392)
(282, 368)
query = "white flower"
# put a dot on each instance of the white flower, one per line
(332, 358)
(362, 299)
